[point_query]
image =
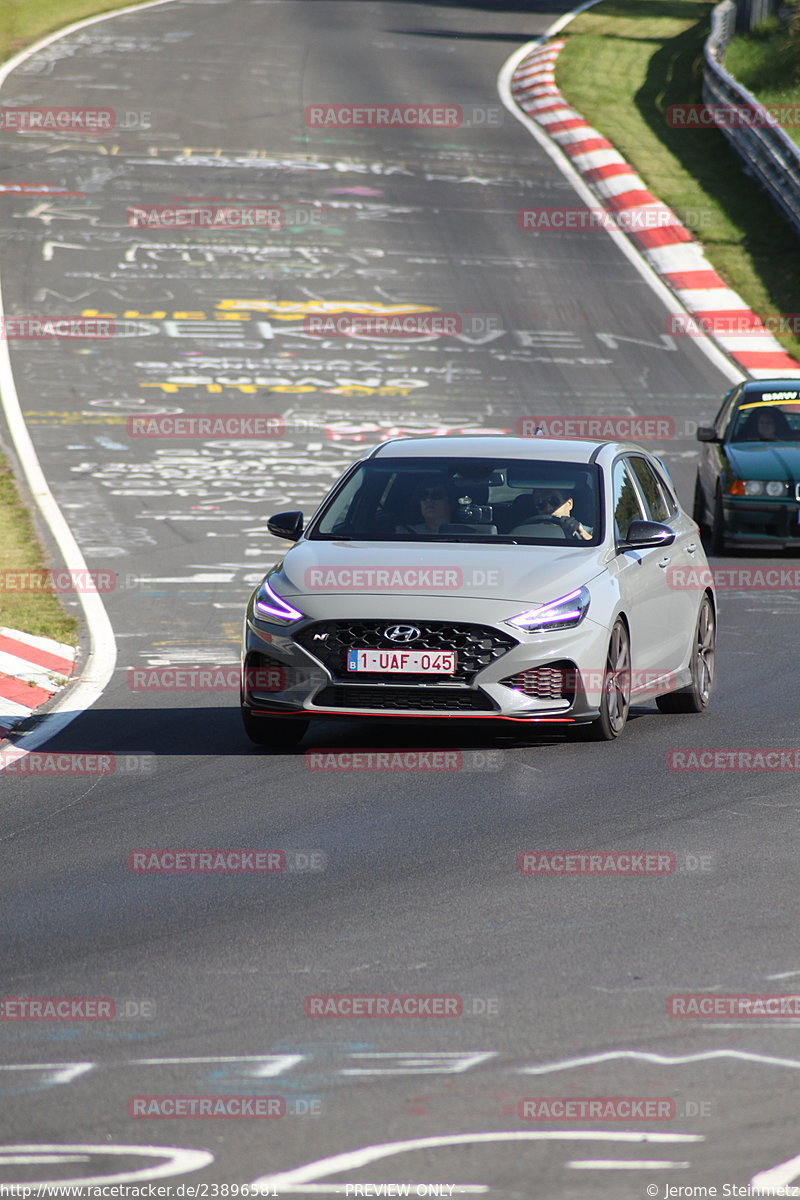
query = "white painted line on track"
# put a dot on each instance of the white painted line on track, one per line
(301, 1179)
(624, 1164)
(660, 289)
(18, 1160)
(776, 1180)
(97, 671)
(61, 1072)
(179, 1161)
(661, 1060)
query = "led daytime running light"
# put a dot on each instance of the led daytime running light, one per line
(270, 604)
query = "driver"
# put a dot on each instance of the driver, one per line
(551, 502)
(766, 425)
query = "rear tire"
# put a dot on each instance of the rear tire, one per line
(616, 699)
(695, 698)
(277, 732)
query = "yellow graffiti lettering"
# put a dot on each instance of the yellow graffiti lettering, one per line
(292, 310)
(43, 417)
(290, 388)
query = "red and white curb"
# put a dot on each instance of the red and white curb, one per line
(32, 670)
(663, 241)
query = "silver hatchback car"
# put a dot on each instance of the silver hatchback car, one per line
(510, 579)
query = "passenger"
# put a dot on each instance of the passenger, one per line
(435, 505)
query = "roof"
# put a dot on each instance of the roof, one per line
(778, 384)
(537, 449)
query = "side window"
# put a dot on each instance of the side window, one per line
(627, 506)
(723, 417)
(668, 488)
(660, 509)
(343, 508)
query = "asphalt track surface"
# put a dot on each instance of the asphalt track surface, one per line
(564, 981)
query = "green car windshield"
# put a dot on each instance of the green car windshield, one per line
(759, 420)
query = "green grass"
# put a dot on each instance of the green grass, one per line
(25, 21)
(625, 63)
(767, 63)
(39, 613)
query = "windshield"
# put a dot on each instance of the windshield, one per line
(770, 417)
(465, 500)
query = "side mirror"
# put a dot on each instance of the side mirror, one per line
(287, 525)
(706, 433)
(642, 535)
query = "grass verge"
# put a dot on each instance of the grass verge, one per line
(624, 63)
(767, 62)
(21, 23)
(25, 21)
(39, 613)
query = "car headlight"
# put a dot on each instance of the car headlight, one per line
(564, 613)
(758, 487)
(273, 607)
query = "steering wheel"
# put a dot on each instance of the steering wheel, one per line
(559, 521)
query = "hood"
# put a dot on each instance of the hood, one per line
(765, 460)
(529, 574)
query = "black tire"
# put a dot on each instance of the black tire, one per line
(616, 699)
(718, 526)
(699, 507)
(278, 732)
(695, 697)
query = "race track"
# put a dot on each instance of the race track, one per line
(405, 881)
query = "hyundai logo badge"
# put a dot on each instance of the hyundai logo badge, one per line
(402, 633)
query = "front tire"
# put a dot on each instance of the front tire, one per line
(695, 698)
(616, 699)
(276, 732)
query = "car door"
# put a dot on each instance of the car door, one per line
(711, 467)
(642, 577)
(682, 573)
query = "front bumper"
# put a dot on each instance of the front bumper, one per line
(301, 685)
(762, 521)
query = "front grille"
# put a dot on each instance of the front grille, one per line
(476, 646)
(553, 682)
(425, 699)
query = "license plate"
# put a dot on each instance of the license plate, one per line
(403, 662)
